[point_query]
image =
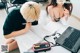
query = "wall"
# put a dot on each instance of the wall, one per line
(76, 7)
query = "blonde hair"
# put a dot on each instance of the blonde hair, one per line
(30, 11)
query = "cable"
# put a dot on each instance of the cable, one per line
(45, 38)
(48, 41)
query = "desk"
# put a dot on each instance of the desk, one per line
(58, 49)
(26, 41)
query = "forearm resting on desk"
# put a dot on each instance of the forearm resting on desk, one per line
(20, 32)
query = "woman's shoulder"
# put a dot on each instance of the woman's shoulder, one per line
(15, 13)
(50, 7)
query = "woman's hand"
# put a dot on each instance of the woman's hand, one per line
(28, 26)
(66, 14)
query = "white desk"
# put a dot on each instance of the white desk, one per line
(58, 49)
(26, 41)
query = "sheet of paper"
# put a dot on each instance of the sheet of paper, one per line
(35, 35)
(26, 41)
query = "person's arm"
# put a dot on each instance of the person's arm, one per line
(50, 12)
(20, 32)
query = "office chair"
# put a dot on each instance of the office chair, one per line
(39, 1)
(18, 1)
(12, 3)
(2, 5)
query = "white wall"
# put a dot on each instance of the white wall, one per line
(76, 7)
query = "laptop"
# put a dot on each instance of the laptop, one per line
(70, 39)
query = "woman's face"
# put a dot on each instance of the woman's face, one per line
(61, 1)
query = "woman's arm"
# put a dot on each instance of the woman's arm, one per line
(50, 12)
(20, 32)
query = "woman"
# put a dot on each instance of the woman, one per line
(19, 21)
(59, 10)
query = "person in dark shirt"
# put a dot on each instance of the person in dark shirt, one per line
(19, 21)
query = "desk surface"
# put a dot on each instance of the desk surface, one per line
(26, 41)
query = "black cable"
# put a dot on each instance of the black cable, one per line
(58, 34)
(48, 41)
(54, 38)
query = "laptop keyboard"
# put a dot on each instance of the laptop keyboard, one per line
(71, 40)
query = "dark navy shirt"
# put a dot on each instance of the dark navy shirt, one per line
(15, 22)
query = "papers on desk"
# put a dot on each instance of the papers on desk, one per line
(26, 41)
(35, 35)
(54, 26)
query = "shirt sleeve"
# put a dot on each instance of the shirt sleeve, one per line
(8, 26)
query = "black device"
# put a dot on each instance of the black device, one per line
(41, 47)
(18, 1)
(40, 1)
(70, 39)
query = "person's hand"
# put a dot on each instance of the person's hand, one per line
(27, 28)
(66, 12)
